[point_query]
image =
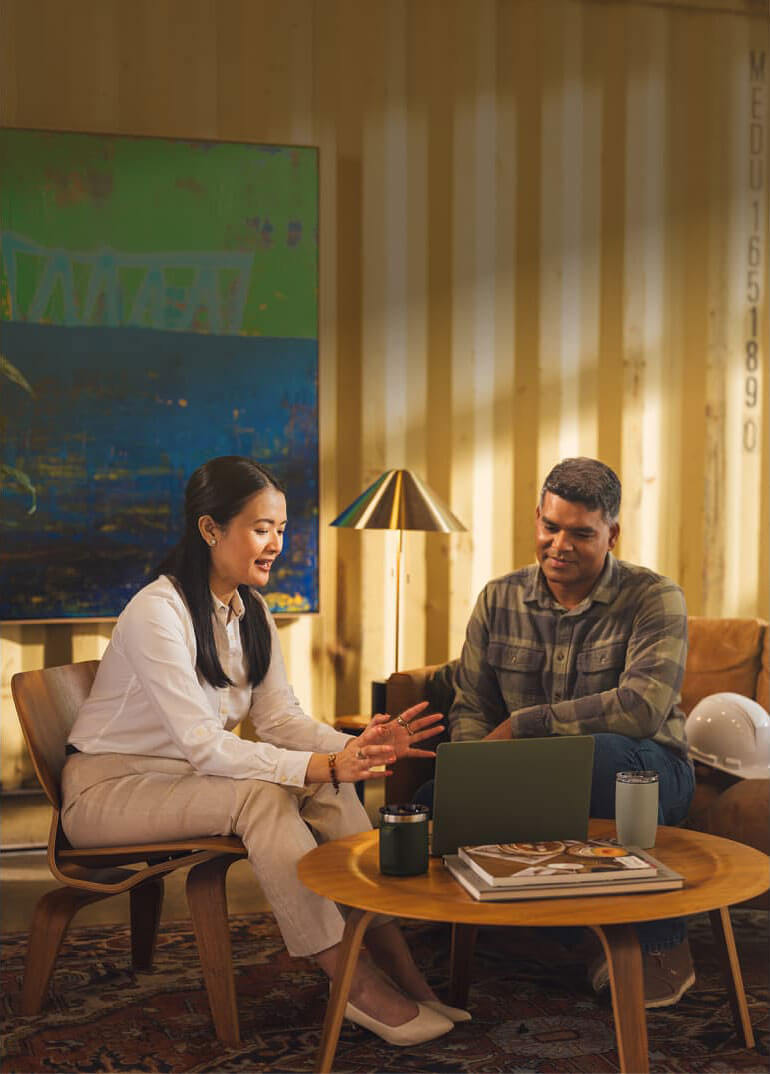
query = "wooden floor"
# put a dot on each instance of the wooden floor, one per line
(24, 877)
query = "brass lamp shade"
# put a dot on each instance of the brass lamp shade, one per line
(399, 500)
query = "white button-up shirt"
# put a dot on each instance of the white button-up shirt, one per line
(148, 697)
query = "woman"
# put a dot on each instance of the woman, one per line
(151, 756)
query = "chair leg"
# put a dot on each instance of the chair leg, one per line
(207, 900)
(146, 905)
(51, 919)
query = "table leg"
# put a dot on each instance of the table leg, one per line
(355, 927)
(722, 928)
(460, 957)
(624, 959)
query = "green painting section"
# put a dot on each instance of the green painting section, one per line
(139, 196)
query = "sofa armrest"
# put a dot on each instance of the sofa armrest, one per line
(763, 679)
(406, 688)
(738, 812)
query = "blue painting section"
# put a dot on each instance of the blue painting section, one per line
(109, 453)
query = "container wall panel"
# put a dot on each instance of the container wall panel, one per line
(543, 232)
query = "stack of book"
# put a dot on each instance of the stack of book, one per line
(502, 871)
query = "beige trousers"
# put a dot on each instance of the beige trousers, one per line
(113, 799)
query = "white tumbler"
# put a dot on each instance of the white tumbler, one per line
(636, 808)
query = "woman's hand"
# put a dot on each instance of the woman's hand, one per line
(360, 759)
(384, 741)
(403, 732)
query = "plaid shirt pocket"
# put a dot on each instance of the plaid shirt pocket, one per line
(519, 672)
(599, 668)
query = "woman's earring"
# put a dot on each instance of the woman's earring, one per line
(213, 541)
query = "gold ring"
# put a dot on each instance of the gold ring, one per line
(404, 724)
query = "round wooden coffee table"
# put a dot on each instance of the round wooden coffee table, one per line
(718, 872)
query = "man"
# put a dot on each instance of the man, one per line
(583, 643)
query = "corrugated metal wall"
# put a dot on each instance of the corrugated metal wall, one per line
(544, 231)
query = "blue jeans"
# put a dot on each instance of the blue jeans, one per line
(618, 753)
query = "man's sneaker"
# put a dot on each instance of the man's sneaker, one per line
(667, 975)
(599, 973)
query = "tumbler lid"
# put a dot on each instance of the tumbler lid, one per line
(404, 814)
(637, 777)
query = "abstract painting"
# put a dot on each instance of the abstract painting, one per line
(158, 307)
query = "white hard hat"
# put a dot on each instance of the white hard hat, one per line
(731, 732)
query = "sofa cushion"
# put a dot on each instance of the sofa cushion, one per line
(723, 655)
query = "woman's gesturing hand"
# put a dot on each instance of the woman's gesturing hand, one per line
(404, 731)
(364, 758)
(384, 741)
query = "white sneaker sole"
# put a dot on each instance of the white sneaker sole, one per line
(669, 1001)
(600, 979)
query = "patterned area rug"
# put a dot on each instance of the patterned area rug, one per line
(532, 1009)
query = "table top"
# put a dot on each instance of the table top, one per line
(717, 872)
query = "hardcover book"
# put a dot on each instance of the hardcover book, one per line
(649, 876)
(556, 862)
(664, 880)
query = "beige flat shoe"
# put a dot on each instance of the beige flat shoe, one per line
(454, 1014)
(427, 1025)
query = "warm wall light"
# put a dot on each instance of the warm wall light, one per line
(399, 500)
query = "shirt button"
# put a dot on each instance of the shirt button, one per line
(560, 655)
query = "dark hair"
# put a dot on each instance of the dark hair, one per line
(586, 481)
(220, 488)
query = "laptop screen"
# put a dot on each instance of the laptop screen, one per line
(509, 791)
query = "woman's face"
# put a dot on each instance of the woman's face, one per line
(245, 549)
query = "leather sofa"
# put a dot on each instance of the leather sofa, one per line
(723, 655)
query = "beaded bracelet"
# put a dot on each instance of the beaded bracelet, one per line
(332, 759)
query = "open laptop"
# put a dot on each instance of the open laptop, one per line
(510, 791)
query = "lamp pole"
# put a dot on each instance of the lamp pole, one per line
(399, 550)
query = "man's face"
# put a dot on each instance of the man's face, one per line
(571, 542)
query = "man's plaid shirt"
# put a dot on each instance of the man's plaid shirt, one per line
(613, 663)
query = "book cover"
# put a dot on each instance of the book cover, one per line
(557, 862)
(664, 879)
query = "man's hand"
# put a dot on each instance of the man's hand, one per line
(503, 730)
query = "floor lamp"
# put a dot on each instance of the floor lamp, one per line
(399, 500)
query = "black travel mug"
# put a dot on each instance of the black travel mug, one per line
(403, 839)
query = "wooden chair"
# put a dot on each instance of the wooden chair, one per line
(47, 702)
